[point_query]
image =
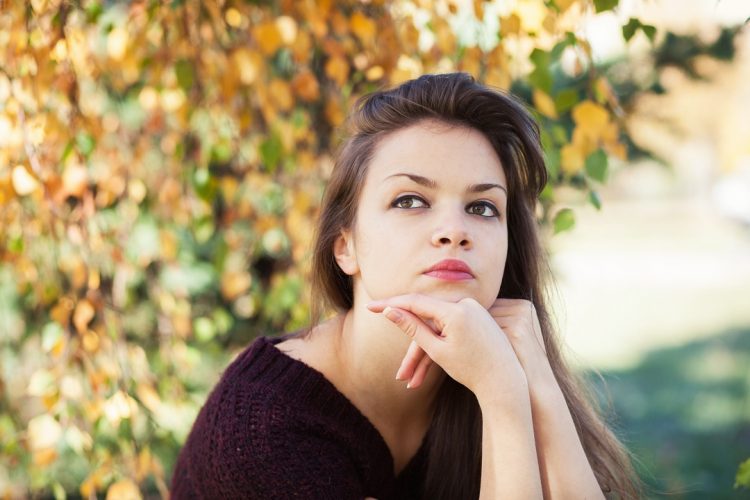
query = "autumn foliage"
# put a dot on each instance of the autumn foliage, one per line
(161, 164)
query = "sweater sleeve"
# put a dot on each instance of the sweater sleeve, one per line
(250, 446)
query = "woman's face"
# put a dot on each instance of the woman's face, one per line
(432, 192)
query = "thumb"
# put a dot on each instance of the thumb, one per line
(414, 327)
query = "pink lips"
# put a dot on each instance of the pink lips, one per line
(451, 270)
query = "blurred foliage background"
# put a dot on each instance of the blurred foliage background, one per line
(161, 165)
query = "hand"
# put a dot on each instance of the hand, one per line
(517, 318)
(462, 337)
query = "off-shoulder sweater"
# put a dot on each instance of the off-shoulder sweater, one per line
(274, 427)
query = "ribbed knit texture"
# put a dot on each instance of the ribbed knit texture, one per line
(273, 427)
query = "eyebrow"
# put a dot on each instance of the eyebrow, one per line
(424, 181)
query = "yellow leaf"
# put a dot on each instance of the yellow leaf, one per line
(62, 310)
(42, 458)
(301, 48)
(233, 17)
(591, 119)
(337, 69)
(564, 5)
(510, 25)
(148, 396)
(124, 489)
(268, 37)
(571, 159)
(589, 114)
(249, 64)
(234, 284)
(281, 94)
(374, 73)
(334, 113)
(479, 9)
(83, 315)
(90, 340)
(544, 103)
(363, 27)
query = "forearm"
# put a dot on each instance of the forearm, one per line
(510, 467)
(564, 467)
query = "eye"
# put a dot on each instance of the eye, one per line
(483, 208)
(409, 201)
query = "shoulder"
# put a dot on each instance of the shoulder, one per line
(266, 428)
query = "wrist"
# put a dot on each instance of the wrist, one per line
(504, 394)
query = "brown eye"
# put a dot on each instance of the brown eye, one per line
(408, 202)
(483, 209)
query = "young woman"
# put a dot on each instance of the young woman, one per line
(439, 376)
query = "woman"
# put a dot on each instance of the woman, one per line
(428, 251)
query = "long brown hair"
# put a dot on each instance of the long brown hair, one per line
(455, 436)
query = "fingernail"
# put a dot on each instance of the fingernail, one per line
(398, 373)
(408, 385)
(392, 314)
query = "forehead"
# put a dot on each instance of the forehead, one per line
(457, 154)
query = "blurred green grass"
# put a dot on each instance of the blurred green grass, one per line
(684, 412)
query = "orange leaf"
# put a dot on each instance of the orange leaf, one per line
(83, 315)
(124, 489)
(337, 69)
(363, 27)
(268, 37)
(281, 94)
(306, 86)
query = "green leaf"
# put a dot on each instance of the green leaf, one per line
(66, 152)
(184, 72)
(270, 151)
(85, 143)
(204, 329)
(743, 475)
(629, 29)
(602, 5)
(649, 31)
(595, 200)
(553, 163)
(564, 220)
(596, 165)
(558, 49)
(566, 99)
(541, 76)
(143, 244)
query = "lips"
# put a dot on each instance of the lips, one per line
(450, 269)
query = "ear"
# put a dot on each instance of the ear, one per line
(345, 253)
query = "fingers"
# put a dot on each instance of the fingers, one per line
(413, 326)
(420, 305)
(420, 373)
(410, 362)
(517, 318)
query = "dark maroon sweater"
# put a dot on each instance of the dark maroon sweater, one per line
(273, 427)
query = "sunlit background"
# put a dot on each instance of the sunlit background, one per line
(160, 165)
(654, 289)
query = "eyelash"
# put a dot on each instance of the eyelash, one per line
(495, 211)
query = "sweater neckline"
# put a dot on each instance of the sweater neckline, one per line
(340, 402)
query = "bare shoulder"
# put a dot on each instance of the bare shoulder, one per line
(315, 350)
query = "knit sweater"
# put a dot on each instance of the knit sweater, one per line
(274, 427)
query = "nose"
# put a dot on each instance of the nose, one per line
(452, 232)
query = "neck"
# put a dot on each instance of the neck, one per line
(370, 350)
